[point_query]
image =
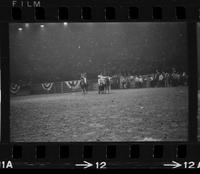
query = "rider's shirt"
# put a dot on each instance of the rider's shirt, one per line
(99, 81)
(85, 80)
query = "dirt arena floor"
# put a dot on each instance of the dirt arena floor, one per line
(148, 114)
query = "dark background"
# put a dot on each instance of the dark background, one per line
(58, 52)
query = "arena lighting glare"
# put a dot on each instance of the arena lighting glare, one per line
(20, 29)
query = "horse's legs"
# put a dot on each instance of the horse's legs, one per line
(102, 89)
(86, 88)
(85, 91)
(106, 89)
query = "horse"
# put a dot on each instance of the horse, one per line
(84, 86)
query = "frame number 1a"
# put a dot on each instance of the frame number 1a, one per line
(6, 165)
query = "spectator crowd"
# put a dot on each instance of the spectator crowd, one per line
(157, 79)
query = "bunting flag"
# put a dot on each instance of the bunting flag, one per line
(74, 84)
(47, 86)
(14, 88)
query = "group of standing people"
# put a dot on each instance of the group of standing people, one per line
(104, 83)
(166, 79)
(157, 79)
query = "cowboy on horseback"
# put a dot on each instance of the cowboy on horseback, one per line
(83, 82)
(84, 77)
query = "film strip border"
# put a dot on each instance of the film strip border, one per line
(96, 10)
(123, 155)
(115, 154)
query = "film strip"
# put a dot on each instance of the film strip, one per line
(95, 141)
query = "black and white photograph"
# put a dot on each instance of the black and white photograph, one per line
(98, 82)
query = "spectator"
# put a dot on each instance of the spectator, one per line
(128, 84)
(145, 79)
(184, 79)
(151, 81)
(161, 80)
(122, 82)
(137, 81)
(156, 78)
(166, 79)
(140, 81)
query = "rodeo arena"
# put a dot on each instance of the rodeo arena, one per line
(103, 84)
(98, 82)
(126, 100)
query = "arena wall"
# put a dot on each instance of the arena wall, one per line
(74, 86)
